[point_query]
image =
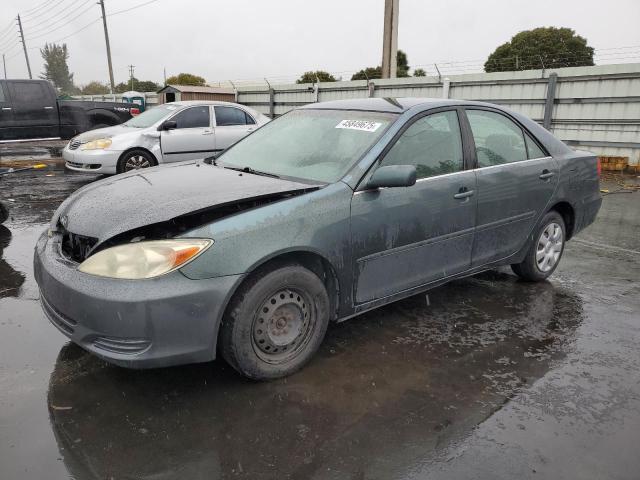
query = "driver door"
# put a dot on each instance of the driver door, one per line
(406, 237)
(192, 138)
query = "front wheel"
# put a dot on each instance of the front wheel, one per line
(275, 322)
(545, 252)
(135, 160)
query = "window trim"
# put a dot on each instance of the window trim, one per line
(523, 130)
(215, 116)
(188, 108)
(466, 160)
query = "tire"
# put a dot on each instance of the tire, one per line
(4, 213)
(99, 125)
(135, 160)
(545, 251)
(275, 323)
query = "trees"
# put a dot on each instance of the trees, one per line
(402, 69)
(310, 77)
(138, 85)
(544, 47)
(56, 69)
(419, 72)
(186, 79)
(94, 88)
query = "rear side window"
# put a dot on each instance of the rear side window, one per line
(2, 97)
(533, 149)
(498, 139)
(29, 92)
(433, 144)
(226, 116)
(194, 117)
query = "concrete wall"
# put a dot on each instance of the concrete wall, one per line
(593, 108)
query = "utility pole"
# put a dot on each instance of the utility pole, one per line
(4, 64)
(390, 39)
(24, 46)
(131, 67)
(106, 39)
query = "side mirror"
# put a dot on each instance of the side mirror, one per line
(168, 125)
(393, 176)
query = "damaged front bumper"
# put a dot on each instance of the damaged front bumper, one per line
(168, 320)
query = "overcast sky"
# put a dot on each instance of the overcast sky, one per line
(279, 39)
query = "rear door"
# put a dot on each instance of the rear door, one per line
(232, 124)
(406, 237)
(516, 179)
(193, 138)
(34, 108)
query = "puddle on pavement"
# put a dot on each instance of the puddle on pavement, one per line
(386, 392)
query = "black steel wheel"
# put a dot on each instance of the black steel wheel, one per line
(275, 322)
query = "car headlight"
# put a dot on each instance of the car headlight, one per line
(134, 261)
(98, 144)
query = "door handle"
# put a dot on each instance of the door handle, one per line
(6, 108)
(463, 193)
(48, 108)
(250, 129)
(207, 132)
(546, 174)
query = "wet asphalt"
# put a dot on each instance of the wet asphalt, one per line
(487, 378)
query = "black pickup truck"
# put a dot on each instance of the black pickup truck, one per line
(30, 109)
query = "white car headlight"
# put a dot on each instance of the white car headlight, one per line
(135, 261)
(98, 144)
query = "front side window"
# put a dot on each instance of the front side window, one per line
(318, 145)
(226, 116)
(433, 144)
(194, 117)
(498, 139)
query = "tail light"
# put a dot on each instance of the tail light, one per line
(136, 111)
(599, 167)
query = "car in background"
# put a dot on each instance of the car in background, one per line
(167, 133)
(329, 211)
(30, 110)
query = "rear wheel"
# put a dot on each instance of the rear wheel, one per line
(135, 160)
(275, 322)
(545, 252)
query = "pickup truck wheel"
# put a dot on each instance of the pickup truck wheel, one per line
(545, 252)
(135, 160)
(4, 213)
(275, 322)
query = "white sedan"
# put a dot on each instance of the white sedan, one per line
(171, 132)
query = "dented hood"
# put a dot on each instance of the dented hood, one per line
(118, 204)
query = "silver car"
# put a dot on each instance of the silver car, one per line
(167, 133)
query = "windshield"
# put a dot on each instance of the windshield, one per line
(151, 116)
(318, 145)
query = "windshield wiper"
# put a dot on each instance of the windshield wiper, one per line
(251, 171)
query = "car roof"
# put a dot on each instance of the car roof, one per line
(204, 102)
(388, 105)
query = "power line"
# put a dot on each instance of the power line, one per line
(44, 11)
(36, 7)
(54, 18)
(63, 25)
(132, 8)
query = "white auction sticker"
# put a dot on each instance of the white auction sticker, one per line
(359, 125)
